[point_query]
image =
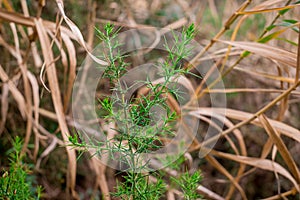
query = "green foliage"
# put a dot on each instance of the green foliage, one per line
(117, 65)
(189, 183)
(14, 183)
(135, 129)
(137, 186)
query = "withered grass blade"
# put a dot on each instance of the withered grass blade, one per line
(27, 89)
(283, 150)
(278, 54)
(36, 105)
(57, 102)
(264, 164)
(72, 68)
(4, 106)
(16, 18)
(19, 98)
(77, 33)
(281, 127)
(220, 168)
(268, 10)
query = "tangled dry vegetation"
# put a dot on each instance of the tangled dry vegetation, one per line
(254, 45)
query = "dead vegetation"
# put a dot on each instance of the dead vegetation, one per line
(254, 45)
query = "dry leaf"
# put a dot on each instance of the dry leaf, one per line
(77, 33)
(280, 55)
(220, 168)
(259, 163)
(57, 102)
(19, 98)
(4, 106)
(287, 157)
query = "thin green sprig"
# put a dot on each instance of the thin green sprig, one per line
(14, 183)
(136, 135)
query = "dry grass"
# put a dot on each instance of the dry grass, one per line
(257, 156)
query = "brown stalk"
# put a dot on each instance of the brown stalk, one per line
(268, 10)
(263, 5)
(274, 53)
(226, 27)
(29, 21)
(72, 69)
(264, 109)
(281, 127)
(258, 163)
(16, 18)
(27, 88)
(19, 98)
(283, 150)
(4, 106)
(208, 193)
(239, 137)
(99, 169)
(36, 58)
(220, 168)
(266, 75)
(36, 102)
(55, 93)
(22, 106)
(292, 192)
(246, 90)
(42, 3)
(298, 60)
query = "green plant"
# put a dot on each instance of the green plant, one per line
(189, 183)
(136, 135)
(117, 65)
(14, 183)
(143, 188)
